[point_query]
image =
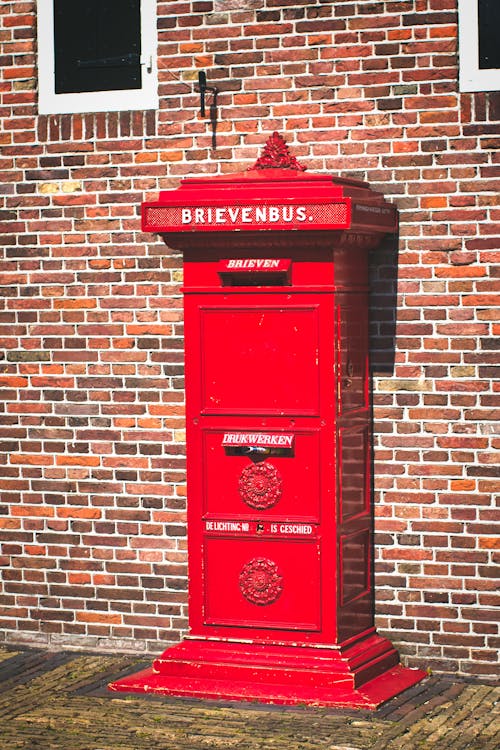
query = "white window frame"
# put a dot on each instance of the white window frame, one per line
(471, 76)
(96, 101)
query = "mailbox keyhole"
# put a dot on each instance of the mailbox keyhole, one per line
(347, 381)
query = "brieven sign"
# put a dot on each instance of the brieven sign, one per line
(244, 265)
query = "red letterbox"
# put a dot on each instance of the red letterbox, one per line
(278, 439)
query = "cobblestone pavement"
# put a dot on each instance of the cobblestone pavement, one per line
(58, 701)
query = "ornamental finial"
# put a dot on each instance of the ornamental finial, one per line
(276, 155)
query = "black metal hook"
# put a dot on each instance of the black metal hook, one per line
(202, 83)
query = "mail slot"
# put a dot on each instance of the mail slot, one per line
(278, 440)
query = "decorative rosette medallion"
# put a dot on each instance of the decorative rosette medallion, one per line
(260, 485)
(260, 581)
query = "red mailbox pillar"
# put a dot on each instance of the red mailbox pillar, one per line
(278, 439)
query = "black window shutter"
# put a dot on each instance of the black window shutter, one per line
(97, 45)
(489, 31)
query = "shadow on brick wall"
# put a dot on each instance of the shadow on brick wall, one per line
(383, 305)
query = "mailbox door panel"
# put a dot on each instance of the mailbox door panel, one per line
(283, 485)
(261, 363)
(261, 583)
(256, 359)
(354, 532)
(353, 471)
(352, 344)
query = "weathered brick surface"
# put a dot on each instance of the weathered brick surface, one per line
(92, 519)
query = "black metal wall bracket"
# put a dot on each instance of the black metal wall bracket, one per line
(202, 84)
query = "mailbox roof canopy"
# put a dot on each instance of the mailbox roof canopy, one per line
(275, 194)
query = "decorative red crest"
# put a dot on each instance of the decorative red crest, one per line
(260, 581)
(276, 155)
(260, 485)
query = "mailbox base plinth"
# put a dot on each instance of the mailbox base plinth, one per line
(362, 676)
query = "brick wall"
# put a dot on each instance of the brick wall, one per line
(92, 519)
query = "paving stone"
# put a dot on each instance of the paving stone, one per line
(59, 702)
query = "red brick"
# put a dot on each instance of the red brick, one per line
(367, 91)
